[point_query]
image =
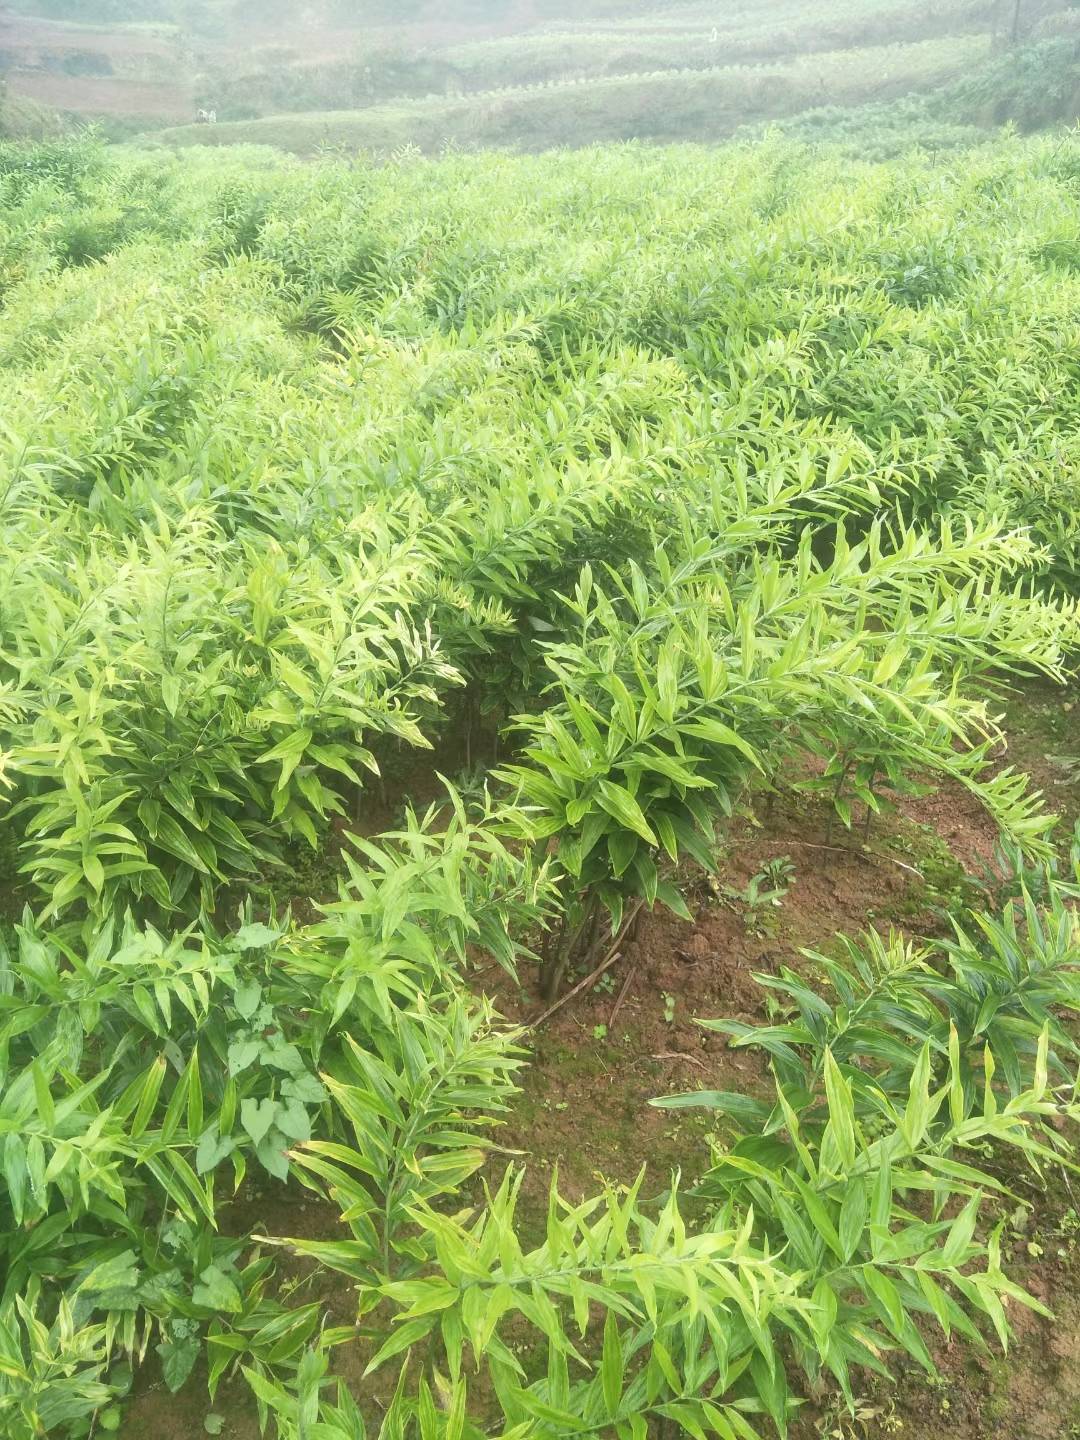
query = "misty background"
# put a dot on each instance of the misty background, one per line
(532, 74)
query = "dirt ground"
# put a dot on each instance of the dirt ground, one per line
(103, 95)
(150, 76)
(29, 36)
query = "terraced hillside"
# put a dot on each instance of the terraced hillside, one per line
(664, 104)
(521, 73)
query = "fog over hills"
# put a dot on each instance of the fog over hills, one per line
(530, 74)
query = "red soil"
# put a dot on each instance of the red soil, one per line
(28, 36)
(103, 95)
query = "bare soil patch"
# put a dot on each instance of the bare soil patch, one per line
(28, 36)
(102, 95)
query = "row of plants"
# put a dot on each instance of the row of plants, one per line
(278, 1068)
(863, 1202)
(702, 38)
(439, 309)
(296, 492)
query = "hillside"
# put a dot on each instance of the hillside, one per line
(665, 105)
(525, 74)
(23, 119)
(132, 72)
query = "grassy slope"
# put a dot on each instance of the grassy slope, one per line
(378, 65)
(23, 119)
(1034, 88)
(742, 36)
(708, 104)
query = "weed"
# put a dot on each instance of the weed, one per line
(763, 892)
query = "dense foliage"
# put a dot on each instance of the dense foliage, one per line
(692, 475)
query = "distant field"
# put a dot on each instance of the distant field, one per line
(674, 39)
(293, 72)
(130, 71)
(27, 35)
(524, 74)
(102, 95)
(664, 105)
(23, 119)
(770, 15)
(357, 74)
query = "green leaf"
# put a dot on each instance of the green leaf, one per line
(212, 1150)
(170, 693)
(717, 733)
(611, 1366)
(305, 1088)
(290, 752)
(35, 1168)
(853, 1213)
(743, 1109)
(148, 1096)
(771, 1385)
(16, 1174)
(622, 847)
(94, 871)
(881, 1203)
(255, 937)
(403, 1337)
(118, 1272)
(246, 998)
(622, 806)
(241, 1054)
(217, 1291)
(885, 1292)
(292, 1120)
(170, 836)
(917, 1113)
(841, 1111)
(257, 1116)
(178, 1359)
(667, 681)
(43, 1096)
(819, 1215)
(955, 1249)
(271, 1151)
(668, 895)
(666, 831)
(195, 1094)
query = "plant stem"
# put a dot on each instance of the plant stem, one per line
(590, 979)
